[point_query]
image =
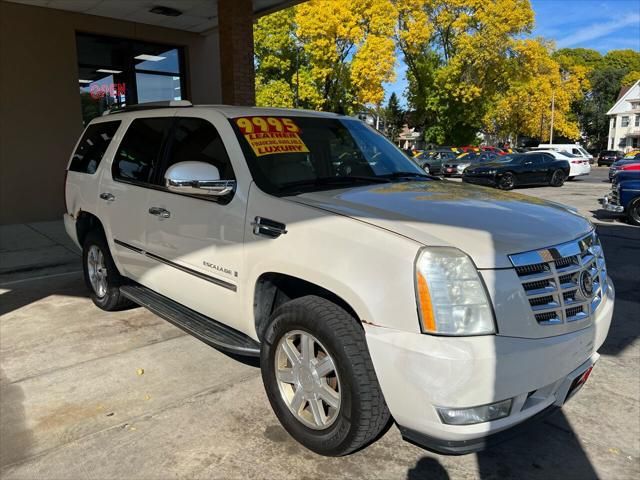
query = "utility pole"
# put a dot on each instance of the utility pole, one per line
(553, 107)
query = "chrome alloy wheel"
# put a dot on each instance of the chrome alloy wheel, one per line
(97, 271)
(307, 379)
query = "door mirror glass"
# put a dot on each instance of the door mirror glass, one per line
(197, 178)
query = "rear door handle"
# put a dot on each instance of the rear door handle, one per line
(160, 212)
(109, 197)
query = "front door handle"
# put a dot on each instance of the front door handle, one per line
(109, 197)
(160, 212)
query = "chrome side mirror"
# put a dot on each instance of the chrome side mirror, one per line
(197, 178)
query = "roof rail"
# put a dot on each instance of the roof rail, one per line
(149, 106)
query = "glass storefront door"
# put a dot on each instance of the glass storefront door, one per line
(114, 72)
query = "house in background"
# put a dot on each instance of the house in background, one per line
(624, 122)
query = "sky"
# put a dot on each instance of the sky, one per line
(602, 25)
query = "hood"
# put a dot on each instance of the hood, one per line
(487, 224)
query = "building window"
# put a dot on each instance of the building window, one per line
(625, 121)
(614, 122)
(114, 72)
(634, 142)
(637, 124)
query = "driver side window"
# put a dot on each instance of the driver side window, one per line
(196, 140)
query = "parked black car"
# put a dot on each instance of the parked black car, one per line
(519, 169)
(432, 161)
(607, 157)
(455, 168)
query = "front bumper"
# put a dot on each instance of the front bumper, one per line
(419, 372)
(488, 180)
(609, 206)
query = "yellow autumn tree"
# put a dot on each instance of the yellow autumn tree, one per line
(457, 54)
(350, 48)
(538, 83)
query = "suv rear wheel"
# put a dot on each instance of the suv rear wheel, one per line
(319, 377)
(101, 275)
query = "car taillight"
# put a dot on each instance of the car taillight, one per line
(576, 161)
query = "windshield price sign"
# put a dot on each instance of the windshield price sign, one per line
(271, 135)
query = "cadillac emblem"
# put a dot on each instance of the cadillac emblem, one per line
(586, 284)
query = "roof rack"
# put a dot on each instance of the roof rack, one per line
(149, 106)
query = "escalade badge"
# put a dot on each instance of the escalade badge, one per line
(586, 284)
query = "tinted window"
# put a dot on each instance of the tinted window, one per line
(197, 140)
(140, 148)
(92, 146)
(535, 159)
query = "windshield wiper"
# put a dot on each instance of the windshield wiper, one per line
(341, 180)
(410, 175)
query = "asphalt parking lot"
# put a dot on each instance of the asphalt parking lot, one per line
(90, 394)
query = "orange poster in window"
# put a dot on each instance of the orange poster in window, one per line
(270, 135)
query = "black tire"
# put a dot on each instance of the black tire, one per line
(111, 299)
(557, 178)
(633, 212)
(363, 413)
(507, 181)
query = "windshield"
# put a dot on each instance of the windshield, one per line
(294, 154)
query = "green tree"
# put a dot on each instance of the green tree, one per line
(394, 116)
(585, 57)
(628, 60)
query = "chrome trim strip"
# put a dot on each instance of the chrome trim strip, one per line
(567, 249)
(202, 276)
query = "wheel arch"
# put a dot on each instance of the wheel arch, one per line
(273, 289)
(86, 222)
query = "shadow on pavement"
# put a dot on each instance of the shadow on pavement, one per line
(17, 295)
(428, 468)
(621, 246)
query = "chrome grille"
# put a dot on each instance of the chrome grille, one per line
(556, 280)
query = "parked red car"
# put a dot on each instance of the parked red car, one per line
(630, 167)
(468, 148)
(496, 150)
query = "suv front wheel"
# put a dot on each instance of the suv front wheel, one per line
(319, 377)
(101, 274)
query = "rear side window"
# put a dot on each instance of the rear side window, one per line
(93, 144)
(139, 150)
(197, 140)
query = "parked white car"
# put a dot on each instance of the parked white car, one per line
(577, 165)
(572, 148)
(368, 289)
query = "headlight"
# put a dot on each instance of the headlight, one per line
(451, 297)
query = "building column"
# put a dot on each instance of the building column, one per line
(235, 26)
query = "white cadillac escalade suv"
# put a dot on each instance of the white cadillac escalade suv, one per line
(369, 290)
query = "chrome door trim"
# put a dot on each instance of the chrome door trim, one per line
(195, 273)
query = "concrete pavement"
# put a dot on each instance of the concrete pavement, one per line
(90, 394)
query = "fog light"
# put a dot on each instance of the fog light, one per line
(469, 416)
